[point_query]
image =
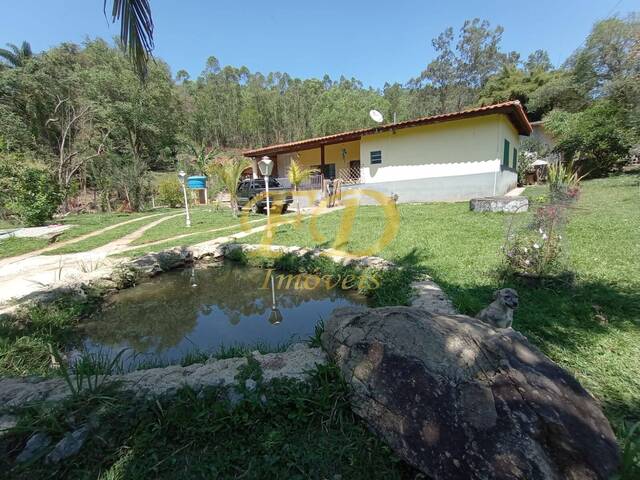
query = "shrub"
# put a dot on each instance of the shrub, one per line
(535, 250)
(35, 196)
(170, 193)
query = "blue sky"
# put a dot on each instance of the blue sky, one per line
(375, 41)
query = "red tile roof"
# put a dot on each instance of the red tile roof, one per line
(512, 109)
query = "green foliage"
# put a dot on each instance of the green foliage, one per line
(15, 56)
(596, 137)
(26, 338)
(298, 430)
(562, 177)
(228, 171)
(630, 462)
(170, 193)
(31, 194)
(458, 73)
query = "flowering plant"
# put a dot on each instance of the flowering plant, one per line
(536, 250)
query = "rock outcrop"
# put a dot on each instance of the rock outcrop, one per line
(461, 400)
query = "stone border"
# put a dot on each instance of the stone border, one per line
(294, 363)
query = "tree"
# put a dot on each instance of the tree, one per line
(136, 30)
(595, 137)
(75, 140)
(457, 75)
(228, 171)
(298, 174)
(608, 54)
(538, 61)
(15, 56)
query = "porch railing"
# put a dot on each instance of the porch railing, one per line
(315, 182)
(349, 176)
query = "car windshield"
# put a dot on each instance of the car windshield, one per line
(259, 182)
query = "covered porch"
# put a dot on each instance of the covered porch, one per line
(332, 157)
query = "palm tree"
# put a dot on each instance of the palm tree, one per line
(136, 30)
(15, 56)
(298, 174)
(228, 170)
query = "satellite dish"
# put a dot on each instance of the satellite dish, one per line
(376, 116)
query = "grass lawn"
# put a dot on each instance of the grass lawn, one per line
(12, 246)
(293, 430)
(202, 220)
(108, 236)
(82, 224)
(461, 251)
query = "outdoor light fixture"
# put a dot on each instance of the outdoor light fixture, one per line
(275, 317)
(266, 167)
(182, 176)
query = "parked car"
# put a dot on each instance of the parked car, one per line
(279, 196)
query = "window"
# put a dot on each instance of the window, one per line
(329, 170)
(505, 154)
(515, 158)
(376, 157)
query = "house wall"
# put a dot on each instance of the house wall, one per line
(449, 161)
(332, 154)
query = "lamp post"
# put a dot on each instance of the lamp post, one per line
(266, 167)
(182, 177)
(275, 317)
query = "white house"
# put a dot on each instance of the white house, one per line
(449, 157)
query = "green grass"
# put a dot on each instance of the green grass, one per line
(12, 246)
(309, 430)
(105, 237)
(284, 430)
(461, 251)
(202, 220)
(82, 224)
(25, 337)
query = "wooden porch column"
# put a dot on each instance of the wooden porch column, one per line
(254, 167)
(322, 158)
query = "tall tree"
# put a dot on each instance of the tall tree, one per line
(457, 73)
(136, 30)
(14, 56)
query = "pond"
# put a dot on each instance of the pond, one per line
(207, 309)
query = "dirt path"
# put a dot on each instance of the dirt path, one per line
(29, 273)
(54, 246)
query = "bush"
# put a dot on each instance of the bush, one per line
(35, 196)
(535, 250)
(170, 193)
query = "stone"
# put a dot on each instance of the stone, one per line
(34, 447)
(499, 204)
(155, 382)
(429, 296)
(70, 445)
(7, 422)
(457, 398)
(250, 384)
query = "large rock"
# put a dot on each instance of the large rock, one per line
(460, 400)
(499, 204)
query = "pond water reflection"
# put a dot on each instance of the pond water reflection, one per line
(167, 317)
